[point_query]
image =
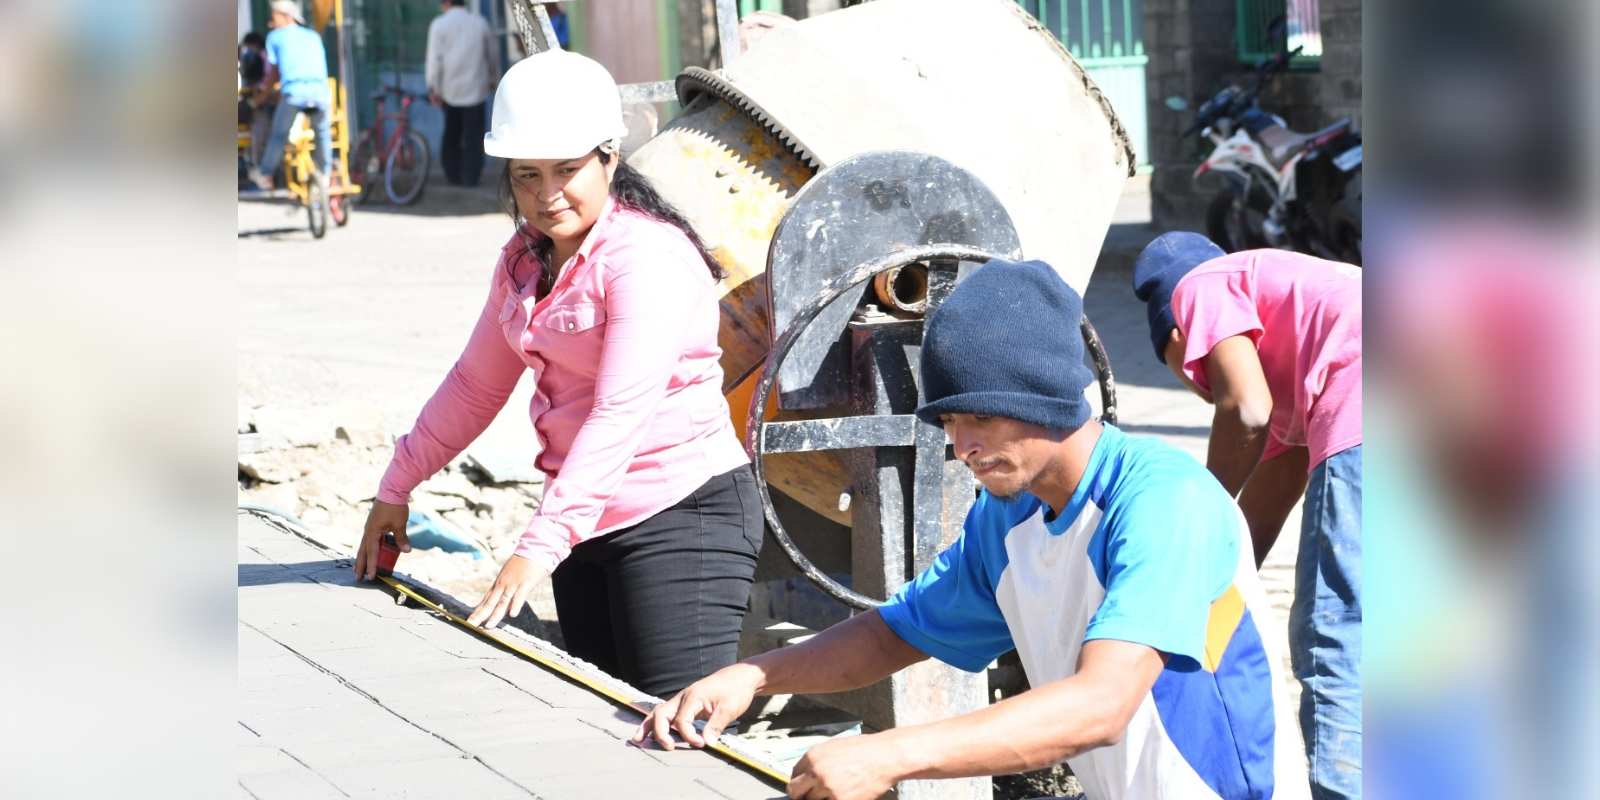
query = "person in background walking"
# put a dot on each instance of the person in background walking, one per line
(298, 64)
(462, 66)
(1273, 340)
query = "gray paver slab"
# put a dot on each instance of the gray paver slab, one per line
(736, 784)
(269, 773)
(618, 722)
(313, 725)
(454, 777)
(663, 785)
(451, 639)
(502, 732)
(539, 764)
(546, 686)
(345, 693)
(318, 693)
(443, 707)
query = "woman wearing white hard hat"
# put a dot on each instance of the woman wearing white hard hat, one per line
(651, 523)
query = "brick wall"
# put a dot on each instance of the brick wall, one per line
(1341, 59)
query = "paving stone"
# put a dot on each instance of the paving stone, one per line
(681, 759)
(434, 777)
(468, 682)
(319, 693)
(316, 639)
(312, 725)
(269, 773)
(340, 689)
(382, 604)
(254, 669)
(620, 723)
(546, 686)
(664, 785)
(254, 644)
(502, 733)
(441, 708)
(386, 662)
(735, 783)
(537, 764)
(261, 591)
(452, 638)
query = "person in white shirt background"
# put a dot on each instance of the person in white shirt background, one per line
(463, 67)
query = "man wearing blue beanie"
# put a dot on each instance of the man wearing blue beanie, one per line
(1273, 340)
(1115, 565)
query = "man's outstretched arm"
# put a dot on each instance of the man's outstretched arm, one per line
(1243, 411)
(857, 652)
(1027, 732)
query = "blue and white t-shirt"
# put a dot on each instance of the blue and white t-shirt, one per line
(1151, 550)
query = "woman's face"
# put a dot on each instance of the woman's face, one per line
(562, 198)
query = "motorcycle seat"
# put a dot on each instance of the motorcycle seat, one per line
(1281, 143)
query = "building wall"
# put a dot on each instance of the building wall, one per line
(1341, 60)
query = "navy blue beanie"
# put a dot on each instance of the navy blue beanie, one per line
(1007, 344)
(1163, 263)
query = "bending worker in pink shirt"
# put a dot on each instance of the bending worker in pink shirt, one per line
(1273, 340)
(651, 523)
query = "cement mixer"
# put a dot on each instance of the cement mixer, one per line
(979, 83)
(848, 172)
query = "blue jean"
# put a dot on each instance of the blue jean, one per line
(1325, 626)
(316, 110)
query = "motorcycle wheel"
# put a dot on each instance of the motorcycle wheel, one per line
(1238, 230)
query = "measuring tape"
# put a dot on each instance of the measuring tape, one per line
(559, 667)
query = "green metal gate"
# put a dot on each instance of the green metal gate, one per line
(1106, 37)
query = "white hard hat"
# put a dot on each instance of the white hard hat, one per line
(554, 104)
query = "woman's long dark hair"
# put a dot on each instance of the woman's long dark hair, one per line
(632, 190)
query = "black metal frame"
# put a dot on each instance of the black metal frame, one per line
(898, 430)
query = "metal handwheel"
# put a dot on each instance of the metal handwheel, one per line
(897, 430)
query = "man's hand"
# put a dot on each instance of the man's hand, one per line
(434, 99)
(505, 598)
(719, 698)
(853, 768)
(383, 518)
(1274, 488)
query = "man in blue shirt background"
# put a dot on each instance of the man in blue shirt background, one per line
(297, 61)
(1116, 566)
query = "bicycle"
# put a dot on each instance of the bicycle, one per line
(402, 157)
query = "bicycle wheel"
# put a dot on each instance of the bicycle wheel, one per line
(338, 203)
(406, 171)
(366, 166)
(317, 206)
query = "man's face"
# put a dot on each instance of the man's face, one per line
(1005, 455)
(1176, 344)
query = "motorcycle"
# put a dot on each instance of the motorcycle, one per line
(1288, 190)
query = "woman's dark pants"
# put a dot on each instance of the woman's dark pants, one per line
(660, 604)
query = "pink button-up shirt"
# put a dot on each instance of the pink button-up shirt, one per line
(628, 402)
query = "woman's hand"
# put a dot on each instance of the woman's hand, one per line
(517, 579)
(383, 518)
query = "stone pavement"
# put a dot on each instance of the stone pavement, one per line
(343, 693)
